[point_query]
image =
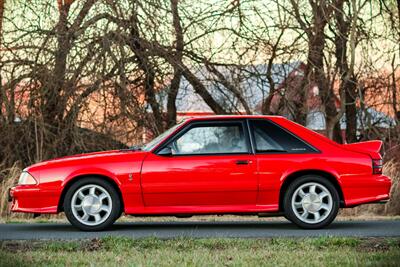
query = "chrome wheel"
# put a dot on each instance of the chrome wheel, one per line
(312, 203)
(91, 204)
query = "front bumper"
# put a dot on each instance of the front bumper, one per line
(31, 199)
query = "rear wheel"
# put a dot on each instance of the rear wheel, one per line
(92, 204)
(311, 202)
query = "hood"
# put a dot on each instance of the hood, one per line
(88, 156)
(91, 155)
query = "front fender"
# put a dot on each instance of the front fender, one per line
(88, 172)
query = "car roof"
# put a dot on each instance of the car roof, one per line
(232, 117)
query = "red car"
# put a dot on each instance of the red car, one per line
(256, 165)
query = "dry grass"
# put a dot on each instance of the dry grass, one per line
(392, 169)
(9, 177)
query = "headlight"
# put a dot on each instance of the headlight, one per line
(26, 179)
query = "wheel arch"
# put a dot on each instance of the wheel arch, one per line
(297, 174)
(71, 181)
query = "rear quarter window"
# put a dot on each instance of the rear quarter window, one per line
(270, 137)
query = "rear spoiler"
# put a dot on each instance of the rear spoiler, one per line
(371, 148)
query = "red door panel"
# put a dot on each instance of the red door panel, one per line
(199, 180)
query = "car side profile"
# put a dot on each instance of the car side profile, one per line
(255, 165)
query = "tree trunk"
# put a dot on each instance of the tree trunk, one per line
(266, 106)
(301, 108)
(348, 84)
(315, 73)
(176, 80)
(2, 4)
(172, 94)
(394, 91)
(54, 106)
(351, 112)
(315, 59)
(397, 113)
(149, 73)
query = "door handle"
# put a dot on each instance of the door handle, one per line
(242, 162)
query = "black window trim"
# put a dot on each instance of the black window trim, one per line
(251, 137)
(253, 142)
(192, 124)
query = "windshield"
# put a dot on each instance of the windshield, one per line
(153, 143)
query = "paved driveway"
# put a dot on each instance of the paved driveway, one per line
(201, 229)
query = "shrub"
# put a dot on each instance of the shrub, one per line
(8, 178)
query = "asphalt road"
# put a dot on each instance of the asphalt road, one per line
(201, 229)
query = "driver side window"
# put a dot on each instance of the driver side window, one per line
(211, 139)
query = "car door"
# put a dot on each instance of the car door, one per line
(277, 151)
(210, 164)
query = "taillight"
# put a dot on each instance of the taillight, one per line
(377, 165)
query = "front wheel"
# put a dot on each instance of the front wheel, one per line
(92, 204)
(311, 202)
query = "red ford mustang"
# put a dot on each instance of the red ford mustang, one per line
(211, 165)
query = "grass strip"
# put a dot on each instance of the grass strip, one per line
(121, 251)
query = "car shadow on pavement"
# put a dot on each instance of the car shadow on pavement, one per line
(192, 225)
(199, 229)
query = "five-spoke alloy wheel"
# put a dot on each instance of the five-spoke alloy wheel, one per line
(92, 204)
(311, 202)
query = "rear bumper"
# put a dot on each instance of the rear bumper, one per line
(30, 199)
(369, 189)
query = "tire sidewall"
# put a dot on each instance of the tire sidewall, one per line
(116, 204)
(303, 180)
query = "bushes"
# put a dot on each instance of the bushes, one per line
(28, 142)
(8, 178)
(392, 169)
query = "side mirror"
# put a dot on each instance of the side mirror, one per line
(166, 151)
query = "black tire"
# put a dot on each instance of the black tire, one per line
(287, 202)
(115, 207)
(287, 218)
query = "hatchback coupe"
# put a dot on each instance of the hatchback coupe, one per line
(253, 165)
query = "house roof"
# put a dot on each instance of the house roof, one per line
(365, 118)
(250, 80)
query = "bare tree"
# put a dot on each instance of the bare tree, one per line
(321, 13)
(2, 5)
(345, 37)
(71, 69)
